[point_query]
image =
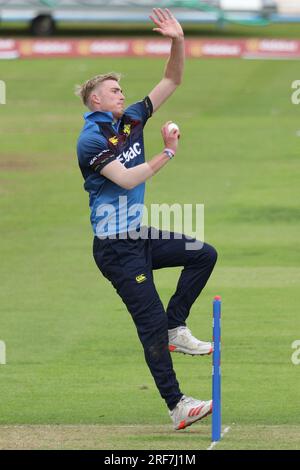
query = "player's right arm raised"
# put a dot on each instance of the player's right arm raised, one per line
(129, 178)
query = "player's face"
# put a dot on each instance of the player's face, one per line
(111, 97)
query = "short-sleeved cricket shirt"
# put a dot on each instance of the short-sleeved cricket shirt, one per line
(113, 209)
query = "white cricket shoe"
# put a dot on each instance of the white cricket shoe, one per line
(189, 410)
(181, 340)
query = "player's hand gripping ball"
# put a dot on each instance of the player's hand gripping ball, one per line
(172, 126)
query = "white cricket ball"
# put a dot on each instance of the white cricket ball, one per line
(172, 126)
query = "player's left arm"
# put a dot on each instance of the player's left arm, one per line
(168, 26)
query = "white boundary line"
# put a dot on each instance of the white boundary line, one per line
(213, 444)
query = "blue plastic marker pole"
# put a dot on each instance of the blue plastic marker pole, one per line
(216, 371)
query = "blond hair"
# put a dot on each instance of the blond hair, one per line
(84, 91)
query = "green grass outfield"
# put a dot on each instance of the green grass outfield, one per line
(73, 357)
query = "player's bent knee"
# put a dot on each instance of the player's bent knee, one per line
(156, 347)
(212, 254)
(208, 255)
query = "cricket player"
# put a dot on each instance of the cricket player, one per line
(112, 161)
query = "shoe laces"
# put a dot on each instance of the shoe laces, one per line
(186, 400)
(188, 332)
(185, 329)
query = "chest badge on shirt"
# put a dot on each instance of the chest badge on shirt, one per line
(127, 129)
(140, 278)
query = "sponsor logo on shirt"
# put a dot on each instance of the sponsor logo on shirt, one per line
(93, 160)
(131, 153)
(100, 159)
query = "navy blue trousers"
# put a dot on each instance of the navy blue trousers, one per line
(128, 265)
